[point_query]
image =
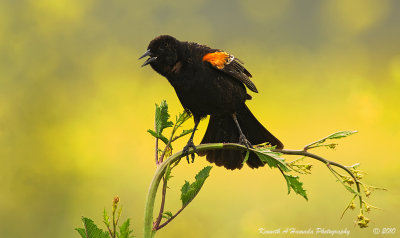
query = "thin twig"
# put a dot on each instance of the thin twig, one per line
(157, 162)
(109, 231)
(348, 206)
(164, 193)
(171, 218)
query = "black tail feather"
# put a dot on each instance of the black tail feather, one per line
(221, 128)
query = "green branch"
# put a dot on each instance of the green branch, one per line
(149, 229)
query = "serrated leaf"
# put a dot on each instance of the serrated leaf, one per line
(272, 159)
(341, 134)
(162, 117)
(184, 192)
(181, 118)
(189, 191)
(91, 230)
(159, 136)
(124, 230)
(294, 183)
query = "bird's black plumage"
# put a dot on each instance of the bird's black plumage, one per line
(211, 82)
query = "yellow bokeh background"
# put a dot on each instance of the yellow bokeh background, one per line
(75, 106)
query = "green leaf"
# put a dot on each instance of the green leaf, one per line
(119, 213)
(184, 193)
(354, 166)
(168, 173)
(246, 157)
(272, 159)
(106, 219)
(294, 183)
(124, 230)
(189, 191)
(341, 134)
(167, 215)
(334, 136)
(81, 232)
(159, 136)
(185, 132)
(350, 189)
(162, 117)
(91, 230)
(181, 118)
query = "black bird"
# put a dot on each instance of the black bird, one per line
(212, 82)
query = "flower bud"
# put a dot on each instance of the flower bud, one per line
(115, 204)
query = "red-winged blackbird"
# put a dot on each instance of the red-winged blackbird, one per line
(212, 82)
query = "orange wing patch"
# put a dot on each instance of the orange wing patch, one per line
(218, 59)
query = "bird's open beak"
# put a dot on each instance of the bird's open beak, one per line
(149, 60)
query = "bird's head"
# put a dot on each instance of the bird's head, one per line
(163, 52)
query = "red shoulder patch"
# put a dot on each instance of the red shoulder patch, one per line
(218, 59)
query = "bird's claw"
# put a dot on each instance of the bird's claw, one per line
(185, 151)
(243, 141)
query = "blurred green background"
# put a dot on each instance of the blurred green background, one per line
(75, 106)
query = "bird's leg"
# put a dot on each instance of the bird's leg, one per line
(190, 143)
(242, 138)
